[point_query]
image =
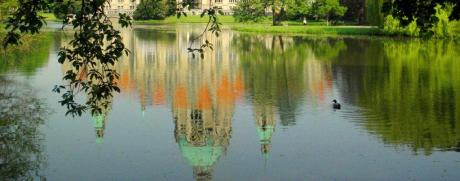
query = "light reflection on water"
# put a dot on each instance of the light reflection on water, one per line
(259, 107)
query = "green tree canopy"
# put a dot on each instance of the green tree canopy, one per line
(299, 8)
(330, 9)
(249, 10)
(150, 9)
(423, 10)
(62, 8)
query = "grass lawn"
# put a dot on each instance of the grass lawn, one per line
(309, 29)
(290, 27)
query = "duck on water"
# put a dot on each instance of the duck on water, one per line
(335, 104)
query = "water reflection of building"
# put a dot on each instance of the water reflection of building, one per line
(99, 125)
(201, 92)
(103, 104)
(161, 62)
(265, 125)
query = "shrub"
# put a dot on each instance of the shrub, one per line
(391, 25)
(150, 9)
(442, 28)
(412, 29)
(249, 10)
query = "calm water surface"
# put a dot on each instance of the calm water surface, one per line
(258, 107)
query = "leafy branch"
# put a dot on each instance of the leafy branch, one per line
(92, 53)
(213, 25)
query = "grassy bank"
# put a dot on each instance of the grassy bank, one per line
(224, 19)
(310, 29)
(289, 27)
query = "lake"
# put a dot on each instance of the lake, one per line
(257, 107)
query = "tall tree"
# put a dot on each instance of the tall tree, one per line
(374, 14)
(249, 10)
(150, 9)
(278, 11)
(299, 9)
(330, 9)
(171, 6)
(355, 10)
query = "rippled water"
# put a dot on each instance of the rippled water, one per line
(258, 107)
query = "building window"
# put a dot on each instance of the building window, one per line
(232, 1)
(120, 1)
(218, 1)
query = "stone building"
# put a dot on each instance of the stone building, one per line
(199, 5)
(121, 6)
(129, 6)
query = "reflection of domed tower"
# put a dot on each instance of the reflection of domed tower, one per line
(265, 122)
(203, 106)
(202, 129)
(99, 126)
(99, 120)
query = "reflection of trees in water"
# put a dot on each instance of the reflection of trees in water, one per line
(277, 71)
(21, 114)
(30, 55)
(411, 93)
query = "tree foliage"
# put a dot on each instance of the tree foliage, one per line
(278, 8)
(171, 6)
(374, 15)
(249, 10)
(150, 9)
(423, 10)
(356, 10)
(62, 8)
(330, 9)
(96, 46)
(299, 9)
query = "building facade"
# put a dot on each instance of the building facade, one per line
(199, 5)
(121, 6)
(129, 6)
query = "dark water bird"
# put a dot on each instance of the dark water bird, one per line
(335, 104)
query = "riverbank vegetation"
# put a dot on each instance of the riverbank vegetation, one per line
(437, 19)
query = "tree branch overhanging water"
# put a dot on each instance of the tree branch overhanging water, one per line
(96, 46)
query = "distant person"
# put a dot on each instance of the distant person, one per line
(304, 21)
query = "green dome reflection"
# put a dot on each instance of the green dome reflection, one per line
(203, 156)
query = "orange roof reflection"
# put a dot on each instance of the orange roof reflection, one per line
(159, 96)
(239, 86)
(124, 82)
(204, 98)
(180, 97)
(225, 94)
